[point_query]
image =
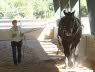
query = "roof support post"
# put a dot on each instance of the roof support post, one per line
(59, 5)
(75, 6)
(91, 14)
(57, 10)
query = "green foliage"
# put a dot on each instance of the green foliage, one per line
(83, 8)
(43, 9)
(27, 8)
(1, 14)
(84, 11)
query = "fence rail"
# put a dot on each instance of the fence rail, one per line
(26, 23)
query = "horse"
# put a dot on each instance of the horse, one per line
(70, 31)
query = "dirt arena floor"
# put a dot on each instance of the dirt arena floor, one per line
(36, 57)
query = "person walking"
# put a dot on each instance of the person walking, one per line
(16, 36)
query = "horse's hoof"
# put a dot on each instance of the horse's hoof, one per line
(64, 67)
(70, 64)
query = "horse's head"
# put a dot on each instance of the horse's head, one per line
(68, 23)
(70, 14)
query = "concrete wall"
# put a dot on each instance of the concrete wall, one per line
(35, 28)
(33, 33)
(91, 47)
(87, 47)
(82, 48)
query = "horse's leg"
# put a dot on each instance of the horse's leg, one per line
(66, 51)
(66, 48)
(74, 55)
(76, 41)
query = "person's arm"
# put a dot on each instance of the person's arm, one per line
(22, 33)
(23, 36)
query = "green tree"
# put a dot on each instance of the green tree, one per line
(83, 8)
(27, 8)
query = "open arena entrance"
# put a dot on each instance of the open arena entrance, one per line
(40, 48)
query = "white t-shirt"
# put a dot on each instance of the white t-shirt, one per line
(17, 32)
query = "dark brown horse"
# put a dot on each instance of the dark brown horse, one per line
(69, 30)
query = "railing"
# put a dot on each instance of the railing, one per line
(25, 23)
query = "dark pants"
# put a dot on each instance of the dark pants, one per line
(16, 46)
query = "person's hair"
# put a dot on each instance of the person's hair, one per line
(14, 21)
